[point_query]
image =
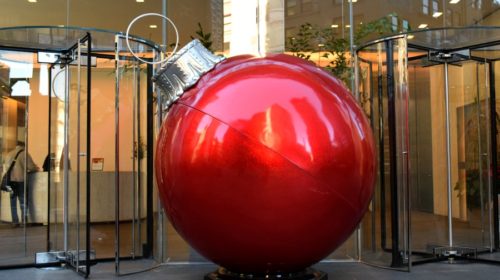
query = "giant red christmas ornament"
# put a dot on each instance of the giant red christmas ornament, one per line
(266, 165)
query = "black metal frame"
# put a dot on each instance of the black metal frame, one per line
(147, 249)
(150, 164)
(494, 159)
(89, 116)
(88, 39)
(49, 141)
(397, 260)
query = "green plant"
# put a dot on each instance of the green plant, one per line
(314, 39)
(205, 38)
(377, 27)
(301, 44)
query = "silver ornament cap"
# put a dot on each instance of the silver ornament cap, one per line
(182, 70)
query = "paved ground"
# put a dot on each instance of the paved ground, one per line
(336, 271)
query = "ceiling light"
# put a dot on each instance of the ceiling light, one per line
(334, 26)
(139, 1)
(423, 25)
(437, 14)
(454, 1)
(32, 1)
(347, 26)
(353, 1)
(153, 26)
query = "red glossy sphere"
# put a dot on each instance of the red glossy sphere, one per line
(266, 165)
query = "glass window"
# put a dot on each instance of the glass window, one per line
(435, 6)
(406, 25)
(425, 7)
(291, 7)
(394, 21)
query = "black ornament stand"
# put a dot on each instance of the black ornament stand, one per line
(307, 274)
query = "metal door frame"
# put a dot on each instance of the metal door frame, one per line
(147, 249)
(388, 42)
(51, 258)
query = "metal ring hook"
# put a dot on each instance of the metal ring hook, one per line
(152, 14)
(61, 70)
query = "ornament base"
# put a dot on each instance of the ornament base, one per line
(307, 274)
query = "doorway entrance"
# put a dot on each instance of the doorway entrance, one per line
(431, 96)
(81, 107)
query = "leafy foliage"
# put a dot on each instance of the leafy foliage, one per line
(302, 43)
(311, 38)
(379, 27)
(205, 38)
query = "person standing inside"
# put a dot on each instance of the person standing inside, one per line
(22, 161)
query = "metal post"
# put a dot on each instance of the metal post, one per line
(380, 96)
(149, 164)
(396, 257)
(24, 218)
(448, 154)
(135, 147)
(351, 40)
(117, 154)
(139, 159)
(49, 173)
(372, 124)
(480, 149)
(88, 181)
(494, 226)
(357, 97)
(66, 160)
(164, 25)
(159, 101)
(405, 145)
(78, 84)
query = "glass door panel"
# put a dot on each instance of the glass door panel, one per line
(22, 110)
(427, 158)
(471, 227)
(465, 228)
(130, 108)
(57, 82)
(67, 159)
(75, 158)
(384, 96)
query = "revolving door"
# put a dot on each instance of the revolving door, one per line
(431, 98)
(81, 106)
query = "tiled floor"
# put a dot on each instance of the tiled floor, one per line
(336, 271)
(13, 246)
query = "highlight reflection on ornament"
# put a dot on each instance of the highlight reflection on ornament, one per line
(266, 165)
